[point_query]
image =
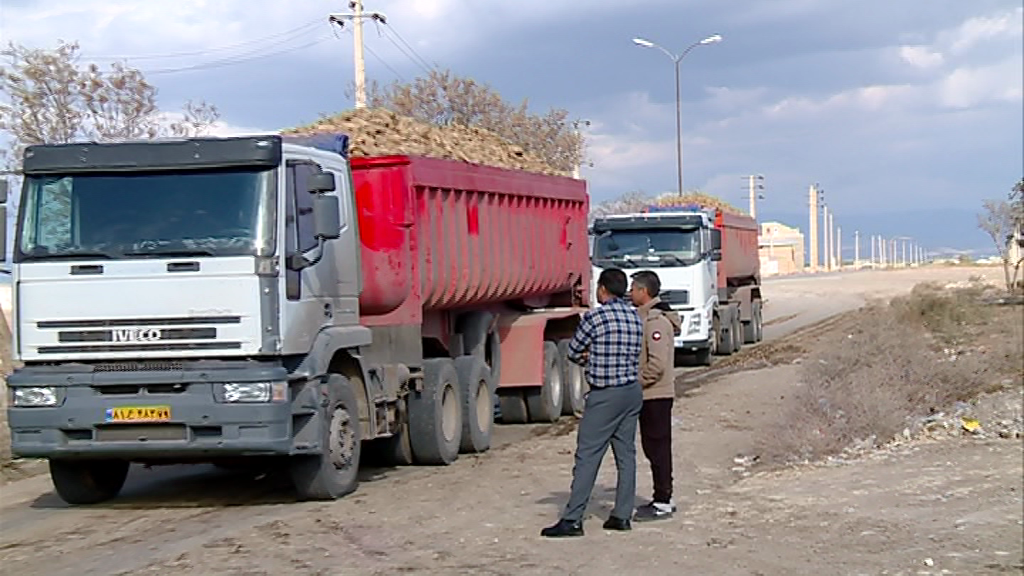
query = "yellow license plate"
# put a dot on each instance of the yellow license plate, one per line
(139, 414)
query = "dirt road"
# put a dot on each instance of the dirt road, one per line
(924, 508)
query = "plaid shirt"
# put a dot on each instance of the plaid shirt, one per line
(613, 335)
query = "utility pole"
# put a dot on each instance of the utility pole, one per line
(356, 17)
(856, 249)
(824, 224)
(754, 184)
(872, 242)
(831, 241)
(839, 248)
(905, 264)
(813, 229)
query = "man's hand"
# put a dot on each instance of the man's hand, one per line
(584, 357)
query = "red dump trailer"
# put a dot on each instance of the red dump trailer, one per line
(479, 260)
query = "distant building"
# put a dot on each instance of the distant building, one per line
(781, 249)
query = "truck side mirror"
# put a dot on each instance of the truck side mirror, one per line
(3, 190)
(716, 245)
(321, 182)
(326, 216)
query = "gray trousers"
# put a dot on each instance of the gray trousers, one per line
(609, 417)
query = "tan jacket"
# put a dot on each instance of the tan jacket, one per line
(657, 361)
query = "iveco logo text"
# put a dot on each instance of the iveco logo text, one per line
(137, 335)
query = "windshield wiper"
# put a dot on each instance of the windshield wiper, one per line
(179, 252)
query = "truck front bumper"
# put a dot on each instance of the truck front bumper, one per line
(194, 420)
(690, 345)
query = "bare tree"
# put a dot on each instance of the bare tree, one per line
(442, 98)
(49, 97)
(1001, 220)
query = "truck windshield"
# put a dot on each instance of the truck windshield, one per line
(655, 247)
(150, 214)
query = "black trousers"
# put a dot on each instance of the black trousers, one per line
(656, 440)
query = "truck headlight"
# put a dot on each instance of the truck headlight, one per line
(693, 327)
(254, 392)
(35, 397)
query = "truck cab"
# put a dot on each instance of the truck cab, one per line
(683, 245)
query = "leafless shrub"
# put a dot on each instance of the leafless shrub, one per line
(912, 357)
(51, 97)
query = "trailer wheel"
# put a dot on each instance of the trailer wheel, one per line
(574, 382)
(758, 320)
(545, 403)
(513, 406)
(477, 404)
(335, 471)
(88, 481)
(435, 414)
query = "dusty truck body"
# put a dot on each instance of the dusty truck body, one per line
(267, 300)
(708, 263)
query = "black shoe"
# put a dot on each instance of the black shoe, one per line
(654, 511)
(563, 529)
(618, 524)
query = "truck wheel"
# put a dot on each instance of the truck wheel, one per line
(758, 321)
(395, 450)
(752, 328)
(335, 471)
(545, 403)
(737, 332)
(477, 404)
(725, 339)
(88, 481)
(703, 357)
(574, 382)
(435, 414)
(513, 406)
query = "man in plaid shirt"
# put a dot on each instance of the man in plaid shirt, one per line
(608, 342)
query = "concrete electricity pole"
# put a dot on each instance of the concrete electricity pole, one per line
(839, 247)
(873, 252)
(754, 184)
(814, 201)
(831, 242)
(356, 17)
(856, 248)
(824, 225)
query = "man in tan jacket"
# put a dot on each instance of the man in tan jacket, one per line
(657, 375)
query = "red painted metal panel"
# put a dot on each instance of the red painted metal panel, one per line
(522, 346)
(740, 258)
(442, 234)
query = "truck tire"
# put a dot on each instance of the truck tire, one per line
(335, 471)
(545, 403)
(477, 404)
(759, 321)
(574, 382)
(737, 332)
(435, 414)
(703, 356)
(725, 340)
(395, 450)
(752, 328)
(513, 406)
(88, 481)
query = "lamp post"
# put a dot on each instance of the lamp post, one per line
(714, 38)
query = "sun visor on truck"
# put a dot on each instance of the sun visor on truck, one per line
(336, 143)
(158, 154)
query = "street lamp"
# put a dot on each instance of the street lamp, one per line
(713, 39)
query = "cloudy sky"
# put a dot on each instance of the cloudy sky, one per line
(907, 113)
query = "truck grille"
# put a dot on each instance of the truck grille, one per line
(138, 335)
(675, 297)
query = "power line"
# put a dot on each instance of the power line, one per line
(290, 34)
(375, 55)
(415, 55)
(235, 61)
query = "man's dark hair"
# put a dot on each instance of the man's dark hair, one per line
(649, 281)
(614, 281)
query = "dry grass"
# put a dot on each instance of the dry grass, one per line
(911, 357)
